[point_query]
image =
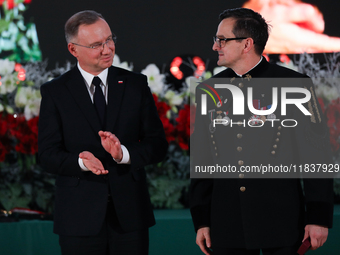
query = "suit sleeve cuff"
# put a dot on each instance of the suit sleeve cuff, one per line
(200, 216)
(126, 156)
(319, 213)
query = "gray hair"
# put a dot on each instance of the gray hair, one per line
(87, 17)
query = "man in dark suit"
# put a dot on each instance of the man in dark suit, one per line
(98, 128)
(235, 214)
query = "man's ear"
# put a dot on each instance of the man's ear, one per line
(72, 49)
(249, 44)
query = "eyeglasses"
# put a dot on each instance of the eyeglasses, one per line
(222, 41)
(110, 42)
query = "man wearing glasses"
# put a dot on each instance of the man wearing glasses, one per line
(240, 215)
(98, 128)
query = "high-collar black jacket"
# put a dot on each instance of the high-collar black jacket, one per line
(259, 212)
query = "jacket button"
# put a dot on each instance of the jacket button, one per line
(273, 152)
(240, 85)
(277, 140)
(239, 136)
(240, 162)
(241, 176)
(274, 146)
(278, 133)
(243, 189)
(239, 148)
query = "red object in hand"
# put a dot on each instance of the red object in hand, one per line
(304, 247)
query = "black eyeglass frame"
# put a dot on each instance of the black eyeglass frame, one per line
(219, 40)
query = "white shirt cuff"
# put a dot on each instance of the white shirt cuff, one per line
(126, 156)
(81, 164)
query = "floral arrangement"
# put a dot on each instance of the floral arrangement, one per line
(22, 182)
(18, 41)
(326, 78)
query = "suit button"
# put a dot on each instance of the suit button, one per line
(216, 154)
(241, 176)
(273, 152)
(243, 189)
(277, 140)
(213, 142)
(274, 146)
(279, 128)
(239, 148)
(240, 162)
(215, 148)
(239, 136)
(240, 85)
(278, 133)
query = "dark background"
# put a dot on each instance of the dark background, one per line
(148, 31)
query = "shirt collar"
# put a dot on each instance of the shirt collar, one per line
(250, 68)
(89, 77)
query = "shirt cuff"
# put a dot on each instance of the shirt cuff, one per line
(126, 156)
(82, 166)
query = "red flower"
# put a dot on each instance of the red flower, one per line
(162, 107)
(168, 129)
(284, 58)
(33, 125)
(10, 4)
(27, 1)
(322, 104)
(333, 115)
(184, 127)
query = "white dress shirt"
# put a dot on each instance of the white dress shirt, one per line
(91, 88)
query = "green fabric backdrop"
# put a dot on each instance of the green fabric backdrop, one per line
(172, 235)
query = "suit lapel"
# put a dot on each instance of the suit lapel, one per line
(116, 89)
(77, 88)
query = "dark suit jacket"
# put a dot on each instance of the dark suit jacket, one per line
(69, 124)
(260, 213)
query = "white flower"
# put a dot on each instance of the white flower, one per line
(218, 69)
(1, 108)
(116, 62)
(9, 109)
(155, 78)
(6, 66)
(8, 84)
(173, 98)
(31, 110)
(29, 99)
(327, 92)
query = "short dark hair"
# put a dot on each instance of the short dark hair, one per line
(87, 17)
(249, 24)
